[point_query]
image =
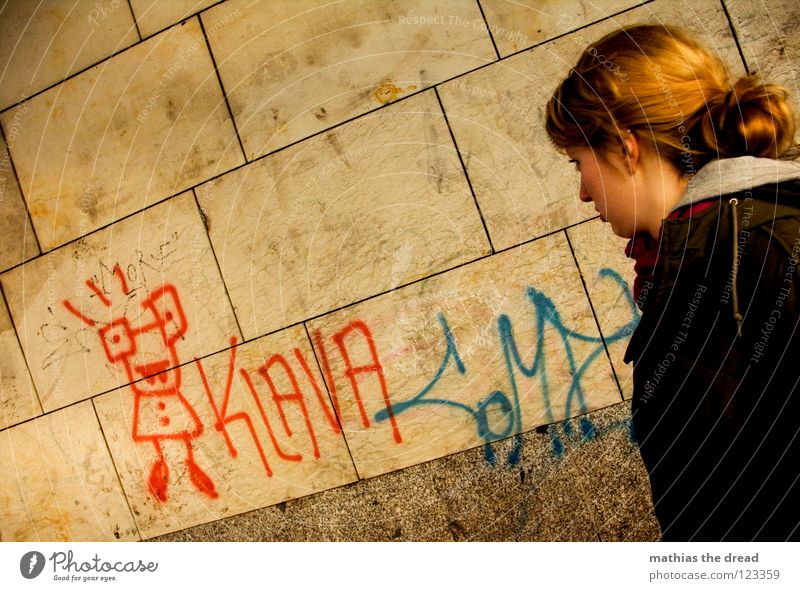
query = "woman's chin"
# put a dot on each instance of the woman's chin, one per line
(618, 231)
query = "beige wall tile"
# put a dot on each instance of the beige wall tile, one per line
(152, 15)
(42, 43)
(291, 69)
(403, 334)
(524, 187)
(608, 275)
(18, 243)
(767, 32)
(58, 483)
(237, 469)
(142, 126)
(517, 24)
(18, 399)
(371, 205)
(165, 245)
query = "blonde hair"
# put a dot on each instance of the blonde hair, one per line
(660, 82)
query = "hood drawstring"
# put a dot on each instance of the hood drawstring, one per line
(735, 222)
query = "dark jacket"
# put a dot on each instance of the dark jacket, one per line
(716, 402)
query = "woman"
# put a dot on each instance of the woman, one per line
(694, 171)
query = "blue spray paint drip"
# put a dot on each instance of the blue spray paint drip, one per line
(588, 432)
(516, 452)
(632, 432)
(545, 313)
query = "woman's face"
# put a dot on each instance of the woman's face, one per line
(605, 183)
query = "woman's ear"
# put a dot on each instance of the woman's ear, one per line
(631, 151)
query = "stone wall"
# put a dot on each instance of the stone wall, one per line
(285, 271)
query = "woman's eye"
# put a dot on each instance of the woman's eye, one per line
(576, 163)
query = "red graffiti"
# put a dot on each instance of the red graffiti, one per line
(282, 366)
(295, 396)
(284, 385)
(353, 373)
(160, 411)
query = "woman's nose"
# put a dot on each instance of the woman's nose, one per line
(584, 195)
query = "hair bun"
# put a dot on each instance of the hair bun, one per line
(752, 118)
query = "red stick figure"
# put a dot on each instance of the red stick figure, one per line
(160, 412)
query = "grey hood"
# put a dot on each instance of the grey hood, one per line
(730, 175)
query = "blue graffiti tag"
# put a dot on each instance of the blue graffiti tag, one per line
(545, 313)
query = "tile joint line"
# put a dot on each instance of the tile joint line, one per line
(24, 357)
(135, 23)
(594, 315)
(22, 195)
(222, 88)
(328, 387)
(464, 169)
(204, 223)
(488, 29)
(116, 470)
